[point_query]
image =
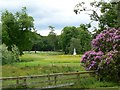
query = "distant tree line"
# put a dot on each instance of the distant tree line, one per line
(70, 38)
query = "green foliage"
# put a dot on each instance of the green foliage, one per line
(52, 37)
(93, 84)
(9, 57)
(51, 42)
(78, 38)
(67, 34)
(36, 41)
(45, 44)
(85, 39)
(75, 43)
(0, 33)
(16, 30)
(8, 29)
(25, 22)
(109, 16)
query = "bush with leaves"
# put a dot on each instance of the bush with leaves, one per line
(9, 57)
(105, 55)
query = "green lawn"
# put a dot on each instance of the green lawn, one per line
(43, 63)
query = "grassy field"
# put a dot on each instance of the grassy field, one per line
(43, 63)
(52, 62)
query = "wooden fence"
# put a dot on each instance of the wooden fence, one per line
(44, 81)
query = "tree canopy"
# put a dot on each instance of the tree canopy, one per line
(105, 13)
(16, 30)
(78, 38)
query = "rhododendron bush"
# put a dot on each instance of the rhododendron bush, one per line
(105, 55)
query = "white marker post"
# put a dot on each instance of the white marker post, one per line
(74, 53)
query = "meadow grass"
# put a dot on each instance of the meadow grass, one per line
(43, 63)
(51, 62)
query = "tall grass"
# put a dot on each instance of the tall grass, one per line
(43, 63)
(92, 82)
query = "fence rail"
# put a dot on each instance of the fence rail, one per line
(49, 80)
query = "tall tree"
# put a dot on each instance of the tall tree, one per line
(53, 38)
(78, 38)
(16, 30)
(67, 34)
(9, 29)
(36, 41)
(85, 38)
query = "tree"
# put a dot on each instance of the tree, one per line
(53, 39)
(59, 47)
(107, 18)
(78, 38)
(85, 38)
(75, 43)
(118, 10)
(67, 34)
(46, 44)
(36, 41)
(9, 29)
(25, 24)
(16, 30)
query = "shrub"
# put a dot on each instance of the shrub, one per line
(92, 59)
(105, 55)
(9, 57)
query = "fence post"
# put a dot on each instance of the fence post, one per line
(25, 82)
(55, 79)
(78, 77)
(49, 79)
(17, 81)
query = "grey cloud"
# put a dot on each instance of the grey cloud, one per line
(57, 14)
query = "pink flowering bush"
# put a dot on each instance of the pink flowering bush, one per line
(92, 59)
(107, 40)
(105, 55)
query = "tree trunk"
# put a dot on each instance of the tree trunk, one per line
(35, 49)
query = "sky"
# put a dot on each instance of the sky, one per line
(57, 13)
